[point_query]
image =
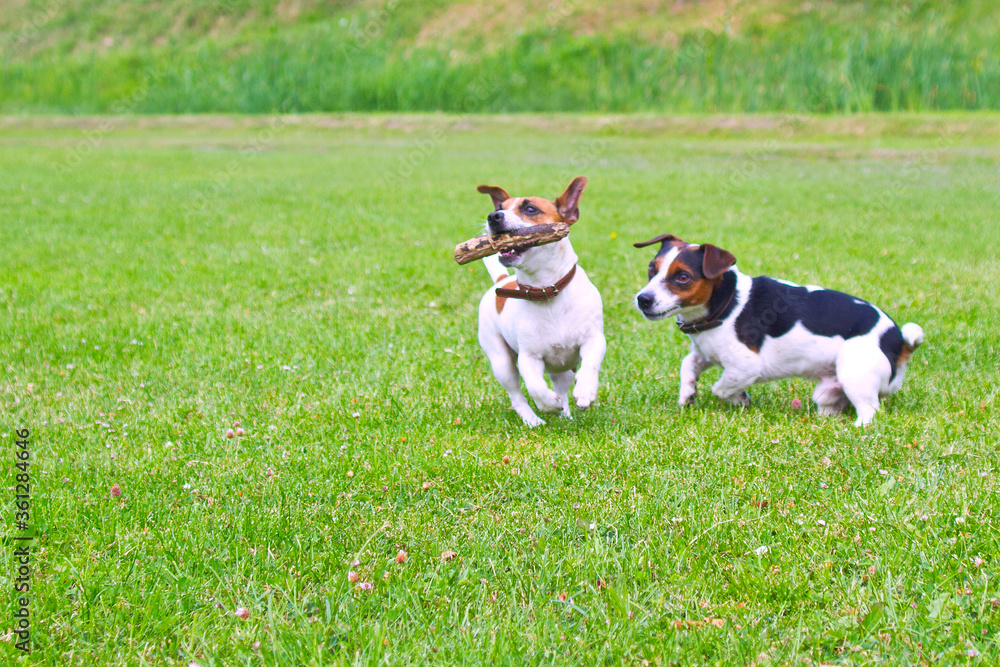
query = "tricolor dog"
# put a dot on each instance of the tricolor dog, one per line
(761, 329)
(542, 315)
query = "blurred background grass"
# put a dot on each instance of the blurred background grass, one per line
(257, 56)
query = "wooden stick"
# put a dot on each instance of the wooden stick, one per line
(528, 237)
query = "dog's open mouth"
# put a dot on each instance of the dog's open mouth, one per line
(509, 257)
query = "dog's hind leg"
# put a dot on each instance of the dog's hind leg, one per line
(561, 382)
(829, 397)
(862, 391)
(862, 372)
(504, 365)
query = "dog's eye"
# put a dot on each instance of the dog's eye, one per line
(682, 278)
(529, 210)
(650, 272)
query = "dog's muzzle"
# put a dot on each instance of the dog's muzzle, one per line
(496, 222)
(645, 301)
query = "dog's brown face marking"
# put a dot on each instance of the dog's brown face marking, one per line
(536, 210)
(682, 276)
(512, 213)
(657, 263)
(694, 271)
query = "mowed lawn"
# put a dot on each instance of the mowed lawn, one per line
(165, 280)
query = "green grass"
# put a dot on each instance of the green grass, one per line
(164, 279)
(249, 56)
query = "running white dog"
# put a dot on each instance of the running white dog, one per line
(549, 317)
(761, 329)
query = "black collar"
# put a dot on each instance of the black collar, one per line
(711, 321)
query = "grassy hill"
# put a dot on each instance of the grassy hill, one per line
(339, 55)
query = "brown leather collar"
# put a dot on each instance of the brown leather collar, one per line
(708, 323)
(538, 293)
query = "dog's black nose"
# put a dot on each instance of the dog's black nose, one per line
(495, 218)
(645, 301)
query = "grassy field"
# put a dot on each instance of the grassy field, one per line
(260, 56)
(167, 279)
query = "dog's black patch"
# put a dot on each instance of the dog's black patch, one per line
(722, 294)
(891, 344)
(773, 308)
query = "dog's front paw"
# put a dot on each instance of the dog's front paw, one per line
(548, 402)
(741, 400)
(687, 395)
(531, 420)
(584, 397)
(724, 391)
(527, 415)
(865, 417)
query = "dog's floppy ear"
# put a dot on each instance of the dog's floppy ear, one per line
(497, 194)
(717, 261)
(568, 202)
(657, 239)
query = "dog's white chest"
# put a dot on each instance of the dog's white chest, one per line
(559, 358)
(553, 337)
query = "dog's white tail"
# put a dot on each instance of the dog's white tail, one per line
(498, 271)
(913, 335)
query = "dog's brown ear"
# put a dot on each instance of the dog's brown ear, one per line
(497, 194)
(568, 202)
(662, 238)
(717, 261)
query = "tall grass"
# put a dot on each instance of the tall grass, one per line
(808, 66)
